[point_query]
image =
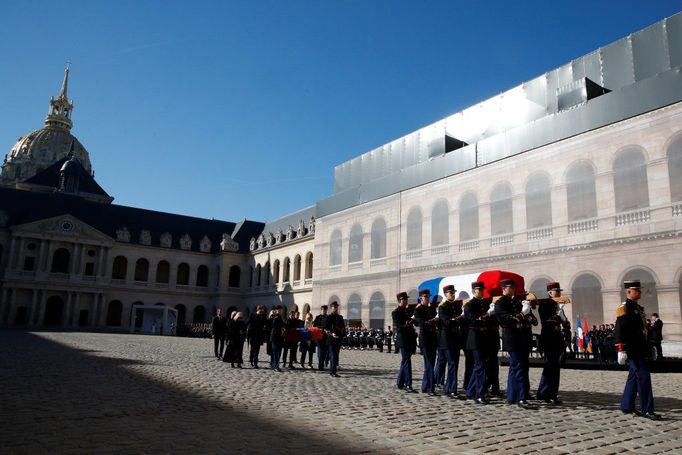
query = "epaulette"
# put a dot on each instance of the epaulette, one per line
(441, 303)
(562, 299)
(465, 302)
(621, 310)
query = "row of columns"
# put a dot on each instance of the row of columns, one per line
(46, 249)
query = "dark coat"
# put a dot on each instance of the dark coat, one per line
(657, 331)
(277, 330)
(448, 324)
(256, 328)
(406, 336)
(219, 326)
(475, 312)
(235, 342)
(551, 335)
(631, 329)
(424, 319)
(336, 326)
(516, 335)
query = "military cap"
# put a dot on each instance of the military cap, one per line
(632, 284)
(425, 292)
(507, 283)
(477, 285)
(554, 286)
(402, 296)
(334, 303)
(449, 288)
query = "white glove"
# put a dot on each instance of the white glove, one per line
(560, 312)
(491, 310)
(525, 308)
(622, 358)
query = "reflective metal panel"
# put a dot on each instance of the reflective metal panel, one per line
(650, 52)
(617, 64)
(673, 30)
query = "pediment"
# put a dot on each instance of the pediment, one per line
(65, 227)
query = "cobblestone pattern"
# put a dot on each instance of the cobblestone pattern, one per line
(110, 393)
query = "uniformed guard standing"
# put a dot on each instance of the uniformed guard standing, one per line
(405, 342)
(492, 367)
(388, 336)
(336, 329)
(631, 341)
(424, 318)
(551, 343)
(516, 340)
(449, 340)
(322, 350)
(477, 313)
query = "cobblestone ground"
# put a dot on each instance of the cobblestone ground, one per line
(111, 393)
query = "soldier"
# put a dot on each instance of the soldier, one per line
(492, 338)
(516, 340)
(388, 335)
(276, 337)
(552, 343)
(405, 342)
(631, 342)
(219, 326)
(336, 329)
(449, 341)
(656, 331)
(424, 318)
(291, 342)
(477, 314)
(255, 333)
(322, 349)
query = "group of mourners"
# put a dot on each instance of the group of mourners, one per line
(281, 337)
(473, 326)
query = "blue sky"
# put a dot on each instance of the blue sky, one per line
(241, 109)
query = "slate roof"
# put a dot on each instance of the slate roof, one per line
(27, 206)
(50, 177)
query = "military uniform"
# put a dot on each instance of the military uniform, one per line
(476, 315)
(255, 333)
(322, 350)
(449, 342)
(516, 340)
(336, 328)
(630, 337)
(552, 345)
(424, 317)
(405, 342)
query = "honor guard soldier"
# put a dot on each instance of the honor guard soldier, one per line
(449, 340)
(477, 314)
(322, 350)
(516, 340)
(405, 342)
(631, 342)
(336, 329)
(219, 328)
(424, 318)
(552, 343)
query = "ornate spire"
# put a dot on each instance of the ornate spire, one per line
(59, 115)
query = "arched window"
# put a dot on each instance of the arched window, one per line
(468, 218)
(378, 239)
(649, 299)
(60, 261)
(114, 313)
(413, 296)
(234, 277)
(440, 223)
(163, 272)
(630, 185)
(587, 300)
(297, 267)
(539, 287)
(335, 248)
(355, 244)
(377, 311)
(202, 276)
(501, 210)
(119, 271)
(354, 315)
(142, 270)
(414, 229)
(266, 274)
(199, 315)
(257, 274)
(581, 193)
(306, 310)
(250, 276)
(183, 274)
(182, 313)
(287, 269)
(333, 298)
(538, 201)
(275, 271)
(675, 169)
(309, 265)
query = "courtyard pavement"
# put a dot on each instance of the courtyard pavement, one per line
(118, 393)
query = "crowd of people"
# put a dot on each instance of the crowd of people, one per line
(448, 328)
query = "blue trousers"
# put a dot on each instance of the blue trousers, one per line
(429, 378)
(449, 356)
(405, 373)
(549, 381)
(439, 370)
(492, 371)
(276, 354)
(468, 369)
(638, 382)
(517, 379)
(478, 382)
(334, 350)
(322, 351)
